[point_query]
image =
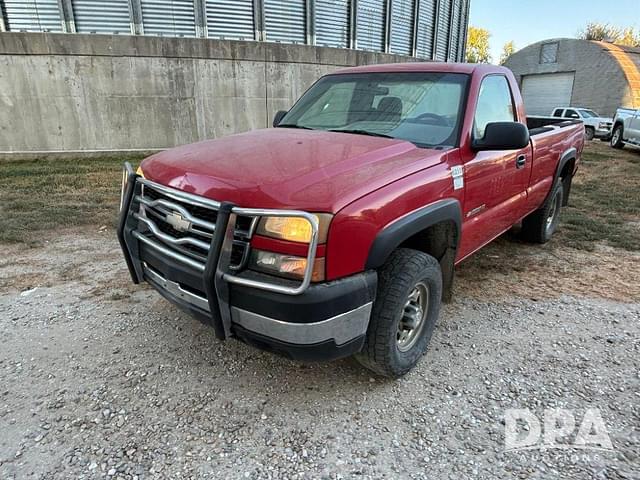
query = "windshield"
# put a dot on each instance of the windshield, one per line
(589, 114)
(422, 108)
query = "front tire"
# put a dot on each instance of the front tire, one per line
(617, 136)
(404, 313)
(539, 226)
(589, 133)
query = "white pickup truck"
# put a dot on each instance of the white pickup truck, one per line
(595, 126)
(626, 128)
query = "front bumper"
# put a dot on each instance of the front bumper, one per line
(603, 132)
(318, 322)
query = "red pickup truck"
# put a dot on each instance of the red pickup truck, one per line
(336, 233)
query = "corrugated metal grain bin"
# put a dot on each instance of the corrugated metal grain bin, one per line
(428, 29)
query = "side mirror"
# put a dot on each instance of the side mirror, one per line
(503, 136)
(278, 117)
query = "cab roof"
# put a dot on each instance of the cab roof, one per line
(438, 67)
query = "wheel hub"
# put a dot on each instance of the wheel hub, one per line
(413, 317)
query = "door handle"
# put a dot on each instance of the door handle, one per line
(521, 161)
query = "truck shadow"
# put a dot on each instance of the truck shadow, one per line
(178, 340)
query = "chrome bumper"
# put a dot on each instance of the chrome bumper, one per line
(340, 329)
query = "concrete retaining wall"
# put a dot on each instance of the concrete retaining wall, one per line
(96, 92)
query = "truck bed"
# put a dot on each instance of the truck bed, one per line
(539, 125)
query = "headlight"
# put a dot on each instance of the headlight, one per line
(284, 265)
(139, 171)
(294, 229)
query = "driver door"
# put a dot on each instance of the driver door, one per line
(495, 181)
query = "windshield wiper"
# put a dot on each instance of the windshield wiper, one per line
(361, 132)
(293, 125)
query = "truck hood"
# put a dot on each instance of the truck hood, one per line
(311, 170)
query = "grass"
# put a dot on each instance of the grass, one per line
(38, 197)
(605, 200)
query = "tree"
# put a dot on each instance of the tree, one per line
(630, 37)
(604, 32)
(478, 45)
(508, 49)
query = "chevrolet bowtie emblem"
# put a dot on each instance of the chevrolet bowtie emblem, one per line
(178, 222)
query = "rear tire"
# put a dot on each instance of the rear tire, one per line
(404, 313)
(539, 226)
(617, 136)
(589, 133)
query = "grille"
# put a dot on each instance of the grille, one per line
(188, 228)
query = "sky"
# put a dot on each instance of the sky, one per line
(529, 21)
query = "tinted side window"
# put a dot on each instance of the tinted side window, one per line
(558, 112)
(494, 104)
(571, 114)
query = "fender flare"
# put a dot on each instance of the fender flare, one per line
(392, 236)
(570, 154)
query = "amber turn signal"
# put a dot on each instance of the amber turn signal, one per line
(294, 229)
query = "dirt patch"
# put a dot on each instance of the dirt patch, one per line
(508, 268)
(68, 256)
(504, 269)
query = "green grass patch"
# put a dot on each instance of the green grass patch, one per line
(41, 195)
(605, 200)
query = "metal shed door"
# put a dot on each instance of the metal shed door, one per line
(332, 23)
(285, 21)
(442, 35)
(102, 16)
(370, 25)
(230, 19)
(32, 16)
(168, 18)
(402, 27)
(542, 93)
(426, 20)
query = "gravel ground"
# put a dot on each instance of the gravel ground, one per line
(102, 379)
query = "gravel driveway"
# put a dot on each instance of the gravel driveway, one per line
(102, 379)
